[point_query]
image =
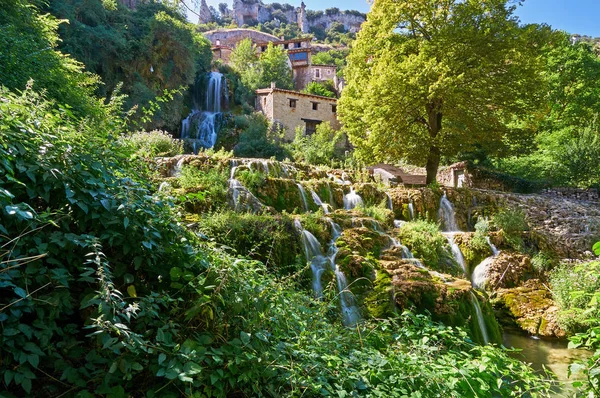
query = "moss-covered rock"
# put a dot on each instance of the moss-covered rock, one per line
(507, 270)
(530, 308)
(446, 298)
(474, 252)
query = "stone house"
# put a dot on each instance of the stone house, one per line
(292, 109)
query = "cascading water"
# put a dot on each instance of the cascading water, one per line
(352, 199)
(480, 319)
(495, 250)
(480, 273)
(241, 197)
(303, 195)
(319, 202)
(411, 211)
(318, 264)
(200, 128)
(390, 204)
(447, 216)
(457, 253)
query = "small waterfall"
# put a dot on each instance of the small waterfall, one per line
(319, 202)
(399, 223)
(411, 211)
(303, 195)
(352, 199)
(331, 201)
(206, 121)
(319, 262)
(238, 192)
(177, 170)
(447, 216)
(492, 246)
(390, 204)
(479, 277)
(480, 319)
(457, 253)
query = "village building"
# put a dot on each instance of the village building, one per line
(299, 51)
(292, 109)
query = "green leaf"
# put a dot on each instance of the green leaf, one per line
(596, 248)
(162, 357)
(126, 222)
(245, 337)
(20, 292)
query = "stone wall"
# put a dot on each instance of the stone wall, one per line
(275, 105)
(590, 194)
(351, 22)
(230, 37)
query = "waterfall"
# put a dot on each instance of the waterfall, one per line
(492, 246)
(178, 167)
(352, 199)
(399, 223)
(331, 201)
(206, 121)
(238, 191)
(457, 253)
(447, 216)
(411, 211)
(318, 264)
(303, 195)
(319, 202)
(390, 204)
(480, 320)
(479, 277)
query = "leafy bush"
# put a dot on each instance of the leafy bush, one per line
(575, 289)
(258, 139)
(206, 190)
(380, 213)
(482, 229)
(318, 148)
(251, 179)
(511, 223)
(543, 262)
(153, 144)
(426, 242)
(271, 240)
(322, 89)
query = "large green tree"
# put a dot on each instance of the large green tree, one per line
(428, 78)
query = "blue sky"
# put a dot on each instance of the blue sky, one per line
(574, 16)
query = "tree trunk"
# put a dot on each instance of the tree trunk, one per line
(434, 115)
(433, 162)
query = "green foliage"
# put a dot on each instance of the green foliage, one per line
(274, 68)
(542, 262)
(153, 144)
(380, 213)
(251, 179)
(271, 240)
(426, 242)
(29, 42)
(205, 189)
(257, 139)
(482, 229)
(325, 89)
(318, 148)
(576, 289)
(259, 72)
(150, 49)
(511, 223)
(332, 57)
(420, 95)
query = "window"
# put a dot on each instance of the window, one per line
(265, 101)
(311, 127)
(293, 103)
(334, 108)
(329, 71)
(263, 49)
(298, 45)
(299, 57)
(317, 73)
(315, 106)
(286, 46)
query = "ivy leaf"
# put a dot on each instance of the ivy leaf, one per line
(245, 337)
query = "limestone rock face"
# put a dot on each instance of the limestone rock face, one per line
(204, 15)
(529, 307)
(506, 270)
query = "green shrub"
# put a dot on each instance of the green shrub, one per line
(511, 223)
(426, 242)
(574, 288)
(206, 190)
(318, 148)
(543, 262)
(257, 139)
(482, 229)
(380, 213)
(251, 179)
(153, 144)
